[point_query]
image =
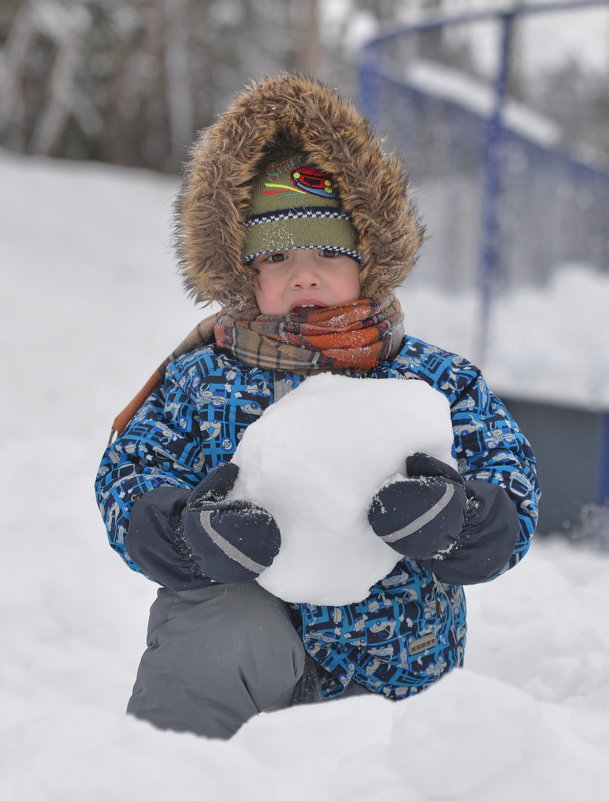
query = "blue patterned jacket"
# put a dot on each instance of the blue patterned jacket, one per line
(411, 629)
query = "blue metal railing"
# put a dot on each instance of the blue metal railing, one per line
(377, 81)
(524, 221)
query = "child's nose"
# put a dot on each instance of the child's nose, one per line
(305, 274)
(304, 279)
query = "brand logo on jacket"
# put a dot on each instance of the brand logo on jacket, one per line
(422, 644)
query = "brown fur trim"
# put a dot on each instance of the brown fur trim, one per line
(305, 114)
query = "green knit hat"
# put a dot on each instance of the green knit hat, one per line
(293, 205)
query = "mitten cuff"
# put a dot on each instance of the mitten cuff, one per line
(156, 543)
(486, 543)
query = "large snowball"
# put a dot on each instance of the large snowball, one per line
(314, 460)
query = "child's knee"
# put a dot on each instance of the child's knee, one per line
(249, 636)
(225, 653)
(218, 621)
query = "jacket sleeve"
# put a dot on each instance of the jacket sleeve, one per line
(490, 449)
(162, 447)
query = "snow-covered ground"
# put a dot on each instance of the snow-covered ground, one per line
(547, 343)
(85, 266)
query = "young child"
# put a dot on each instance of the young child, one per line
(296, 223)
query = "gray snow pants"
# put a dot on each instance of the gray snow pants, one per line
(219, 655)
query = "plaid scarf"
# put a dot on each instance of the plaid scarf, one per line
(356, 335)
(359, 334)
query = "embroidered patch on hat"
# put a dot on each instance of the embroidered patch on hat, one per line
(313, 180)
(299, 181)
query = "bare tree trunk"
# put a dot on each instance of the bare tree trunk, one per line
(308, 55)
(177, 82)
(20, 37)
(136, 128)
(52, 122)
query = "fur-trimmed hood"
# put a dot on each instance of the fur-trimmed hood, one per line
(300, 113)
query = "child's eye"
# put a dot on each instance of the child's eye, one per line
(276, 257)
(327, 253)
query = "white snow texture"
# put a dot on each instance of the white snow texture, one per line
(315, 459)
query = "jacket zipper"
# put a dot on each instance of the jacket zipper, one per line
(439, 590)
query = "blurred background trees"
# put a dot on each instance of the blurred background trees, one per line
(131, 81)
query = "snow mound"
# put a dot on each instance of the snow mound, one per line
(316, 458)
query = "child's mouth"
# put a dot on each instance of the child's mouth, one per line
(307, 306)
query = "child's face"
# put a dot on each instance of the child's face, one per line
(316, 277)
